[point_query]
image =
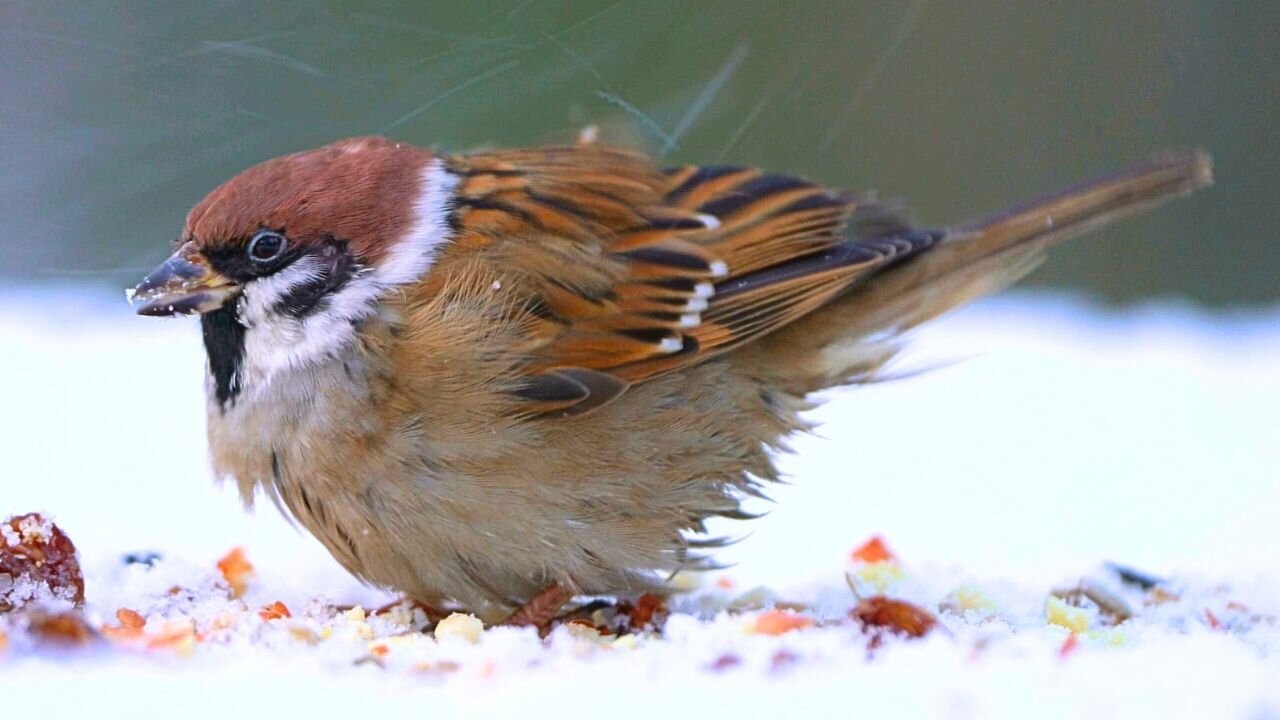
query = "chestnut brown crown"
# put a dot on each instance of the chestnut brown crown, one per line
(358, 190)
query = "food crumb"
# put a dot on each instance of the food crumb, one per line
(872, 551)
(1059, 613)
(879, 575)
(130, 619)
(462, 626)
(275, 611)
(777, 622)
(1069, 645)
(878, 614)
(236, 570)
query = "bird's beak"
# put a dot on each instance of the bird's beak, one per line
(184, 284)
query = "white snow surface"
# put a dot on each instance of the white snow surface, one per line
(1052, 436)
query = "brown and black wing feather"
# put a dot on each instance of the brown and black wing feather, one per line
(627, 272)
(633, 272)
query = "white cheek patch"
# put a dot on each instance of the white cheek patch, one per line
(277, 342)
(274, 340)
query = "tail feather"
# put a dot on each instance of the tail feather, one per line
(854, 336)
(1084, 207)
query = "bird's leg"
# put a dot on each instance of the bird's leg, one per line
(541, 609)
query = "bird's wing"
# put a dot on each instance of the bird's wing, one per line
(626, 272)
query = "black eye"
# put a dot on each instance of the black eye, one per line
(266, 246)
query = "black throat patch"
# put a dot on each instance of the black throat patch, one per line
(224, 344)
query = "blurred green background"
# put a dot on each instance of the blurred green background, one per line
(117, 116)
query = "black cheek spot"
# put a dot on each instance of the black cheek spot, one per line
(337, 267)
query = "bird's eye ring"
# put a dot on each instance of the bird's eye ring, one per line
(266, 246)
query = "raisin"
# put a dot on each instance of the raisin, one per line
(879, 613)
(63, 630)
(37, 562)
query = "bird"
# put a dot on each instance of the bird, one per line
(504, 379)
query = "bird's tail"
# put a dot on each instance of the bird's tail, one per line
(856, 334)
(1075, 210)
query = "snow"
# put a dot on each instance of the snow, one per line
(1052, 436)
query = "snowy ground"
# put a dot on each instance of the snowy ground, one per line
(1055, 437)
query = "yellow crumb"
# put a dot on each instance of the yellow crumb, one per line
(971, 597)
(1111, 637)
(685, 581)
(880, 575)
(304, 634)
(460, 625)
(626, 642)
(408, 639)
(1059, 613)
(185, 646)
(401, 615)
(584, 633)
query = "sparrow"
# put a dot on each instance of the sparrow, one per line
(504, 379)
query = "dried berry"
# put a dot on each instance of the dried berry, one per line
(879, 614)
(64, 629)
(646, 608)
(37, 562)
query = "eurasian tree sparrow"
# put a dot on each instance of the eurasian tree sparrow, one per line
(511, 377)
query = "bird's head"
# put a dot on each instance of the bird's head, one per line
(302, 247)
(292, 232)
